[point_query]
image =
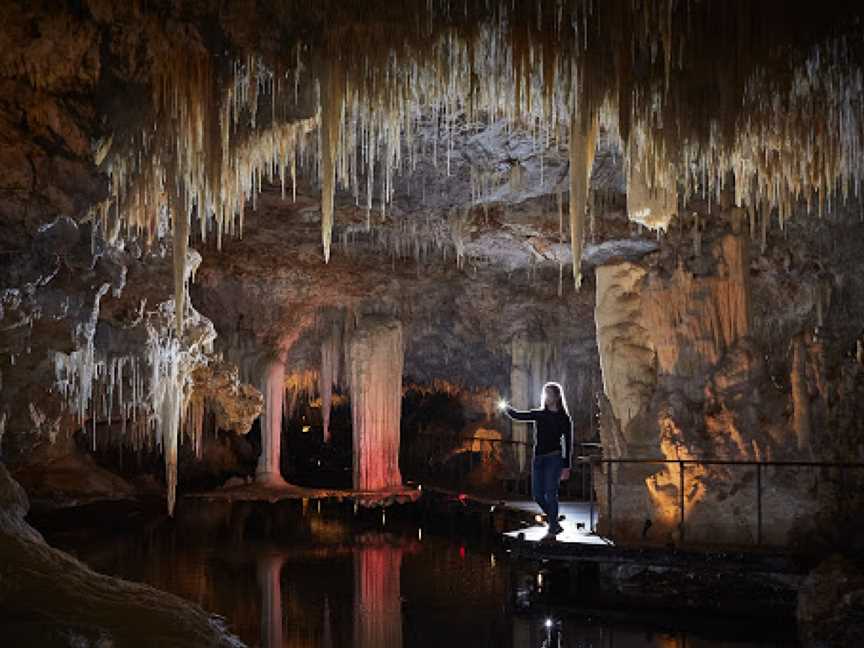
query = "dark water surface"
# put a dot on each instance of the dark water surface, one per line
(295, 576)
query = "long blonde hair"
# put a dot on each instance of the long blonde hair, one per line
(559, 392)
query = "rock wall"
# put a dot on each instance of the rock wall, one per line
(49, 598)
(684, 380)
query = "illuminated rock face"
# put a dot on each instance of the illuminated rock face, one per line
(375, 359)
(684, 381)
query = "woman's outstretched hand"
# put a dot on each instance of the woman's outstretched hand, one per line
(565, 474)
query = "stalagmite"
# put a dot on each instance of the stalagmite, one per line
(375, 358)
(583, 142)
(800, 394)
(268, 472)
(378, 597)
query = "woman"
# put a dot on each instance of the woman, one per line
(553, 444)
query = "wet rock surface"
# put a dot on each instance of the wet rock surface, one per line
(50, 599)
(831, 605)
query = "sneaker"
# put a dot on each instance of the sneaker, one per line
(555, 530)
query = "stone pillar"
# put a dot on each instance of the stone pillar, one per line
(273, 388)
(377, 597)
(375, 367)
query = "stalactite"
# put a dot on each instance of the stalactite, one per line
(789, 127)
(329, 375)
(375, 358)
(583, 142)
(331, 121)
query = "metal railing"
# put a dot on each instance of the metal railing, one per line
(451, 459)
(759, 467)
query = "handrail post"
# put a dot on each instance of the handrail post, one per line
(591, 493)
(609, 497)
(681, 500)
(758, 503)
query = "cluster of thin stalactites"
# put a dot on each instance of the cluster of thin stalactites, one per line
(557, 69)
(700, 96)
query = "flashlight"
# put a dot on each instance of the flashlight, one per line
(502, 405)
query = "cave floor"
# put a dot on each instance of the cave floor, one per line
(276, 493)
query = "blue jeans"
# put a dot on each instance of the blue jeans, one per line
(545, 476)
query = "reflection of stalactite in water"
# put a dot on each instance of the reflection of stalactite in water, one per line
(378, 597)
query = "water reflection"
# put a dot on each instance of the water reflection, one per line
(283, 579)
(376, 605)
(270, 586)
(377, 595)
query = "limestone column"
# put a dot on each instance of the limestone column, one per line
(273, 388)
(377, 597)
(375, 368)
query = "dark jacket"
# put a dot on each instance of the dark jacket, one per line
(553, 431)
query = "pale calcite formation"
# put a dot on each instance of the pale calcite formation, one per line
(691, 320)
(328, 376)
(234, 404)
(682, 382)
(273, 388)
(583, 143)
(627, 358)
(532, 364)
(649, 205)
(375, 361)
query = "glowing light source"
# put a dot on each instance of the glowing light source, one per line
(502, 405)
(548, 623)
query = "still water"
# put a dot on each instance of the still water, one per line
(295, 575)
